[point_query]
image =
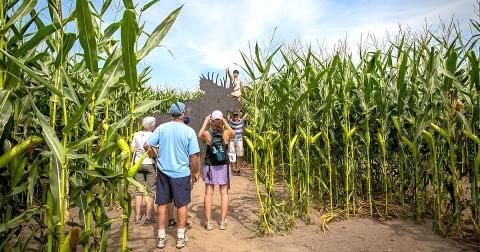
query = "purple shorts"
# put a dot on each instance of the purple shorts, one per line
(216, 174)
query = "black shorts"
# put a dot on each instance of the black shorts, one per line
(168, 188)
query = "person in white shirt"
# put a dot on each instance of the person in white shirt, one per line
(236, 83)
(146, 173)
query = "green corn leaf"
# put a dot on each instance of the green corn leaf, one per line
(105, 6)
(112, 75)
(87, 35)
(41, 34)
(110, 30)
(50, 136)
(21, 218)
(69, 91)
(128, 39)
(5, 109)
(105, 237)
(65, 247)
(247, 64)
(72, 122)
(22, 11)
(148, 5)
(137, 184)
(81, 143)
(145, 106)
(32, 74)
(159, 33)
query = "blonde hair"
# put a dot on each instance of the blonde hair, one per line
(216, 125)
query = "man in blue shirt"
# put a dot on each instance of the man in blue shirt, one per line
(178, 150)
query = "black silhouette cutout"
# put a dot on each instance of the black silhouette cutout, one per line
(217, 96)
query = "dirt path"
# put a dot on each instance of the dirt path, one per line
(351, 235)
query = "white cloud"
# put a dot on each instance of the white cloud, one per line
(209, 34)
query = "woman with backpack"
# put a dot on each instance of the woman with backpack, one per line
(216, 170)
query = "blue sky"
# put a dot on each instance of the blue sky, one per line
(209, 34)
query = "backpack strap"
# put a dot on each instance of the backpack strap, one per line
(228, 175)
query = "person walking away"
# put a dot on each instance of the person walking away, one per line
(235, 147)
(177, 150)
(216, 169)
(170, 208)
(236, 83)
(146, 172)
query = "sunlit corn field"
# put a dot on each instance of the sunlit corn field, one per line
(386, 129)
(69, 96)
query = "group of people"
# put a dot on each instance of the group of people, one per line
(173, 166)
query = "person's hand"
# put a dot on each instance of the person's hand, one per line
(207, 119)
(195, 177)
(228, 69)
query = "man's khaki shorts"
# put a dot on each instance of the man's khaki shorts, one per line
(236, 146)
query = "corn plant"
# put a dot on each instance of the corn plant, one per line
(64, 144)
(417, 93)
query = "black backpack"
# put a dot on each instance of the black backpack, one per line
(218, 149)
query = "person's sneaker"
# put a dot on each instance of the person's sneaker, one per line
(149, 220)
(138, 219)
(223, 225)
(171, 223)
(208, 225)
(182, 242)
(161, 241)
(189, 224)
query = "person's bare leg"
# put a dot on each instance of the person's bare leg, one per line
(138, 205)
(239, 163)
(207, 202)
(224, 200)
(161, 224)
(149, 207)
(234, 166)
(182, 217)
(162, 217)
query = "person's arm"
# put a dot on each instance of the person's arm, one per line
(203, 134)
(152, 151)
(195, 166)
(194, 156)
(229, 133)
(244, 118)
(229, 75)
(151, 143)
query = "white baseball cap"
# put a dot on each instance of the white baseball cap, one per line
(217, 114)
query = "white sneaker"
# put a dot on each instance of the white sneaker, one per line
(208, 225)
(182, 242)
(161, 241)
(223, 225)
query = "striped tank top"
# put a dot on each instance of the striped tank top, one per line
(237, 127)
